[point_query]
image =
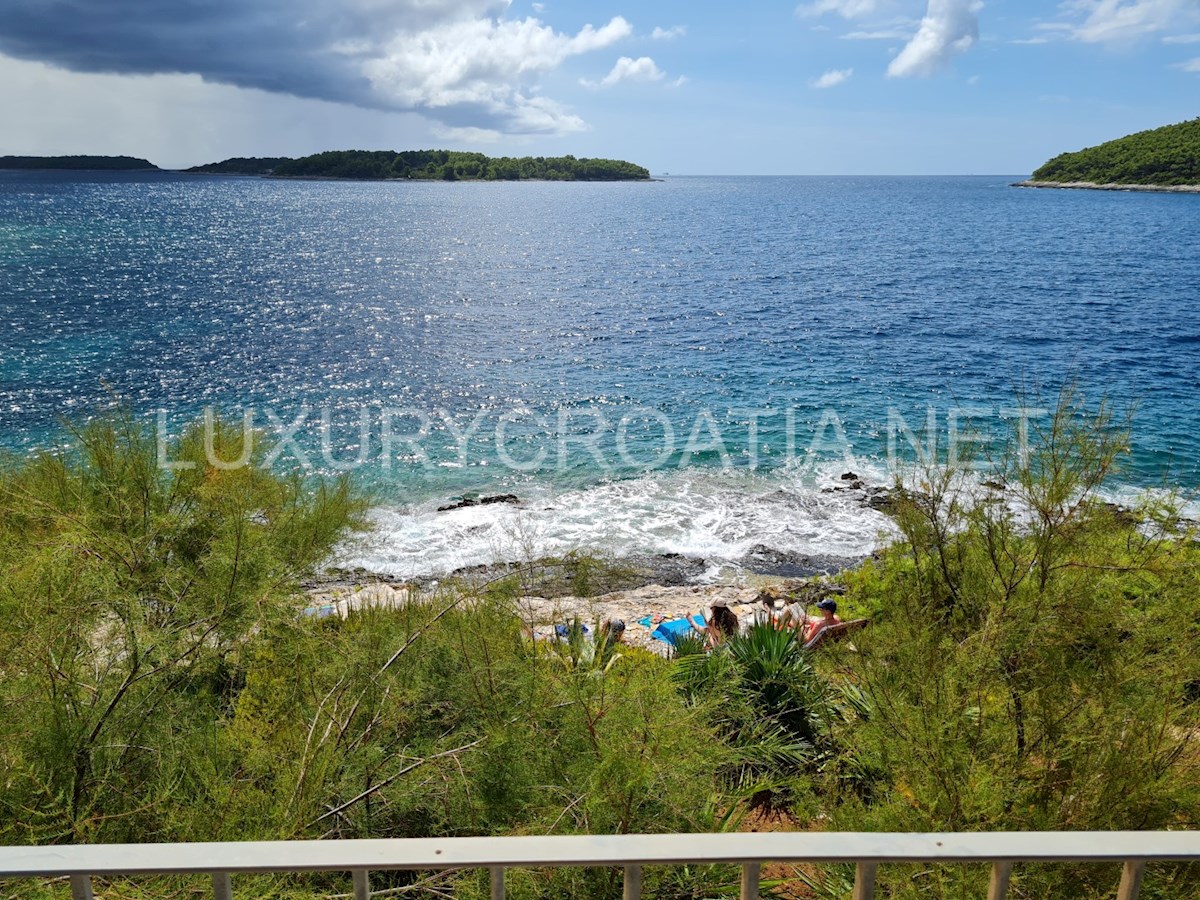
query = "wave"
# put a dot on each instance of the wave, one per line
(720, 516)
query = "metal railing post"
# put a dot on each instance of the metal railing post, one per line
(222, 886)
(1131, 880)
(81, 887)
(497, 873)
(864, 881)
(632, 889)
(1001, 873)
(362, 884)
(750, 875)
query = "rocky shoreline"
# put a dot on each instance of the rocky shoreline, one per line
(339, 594)
(595, 588)
(1113, 186)
(558, 577)
(630, 571)
(599, 587)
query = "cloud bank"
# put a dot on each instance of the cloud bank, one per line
(459, 61)
(847, 9)
(950, 27)
(1113, 20)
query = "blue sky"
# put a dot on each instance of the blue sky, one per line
(815, 87)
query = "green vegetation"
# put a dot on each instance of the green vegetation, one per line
(1164, 156)
(1028, 673)
(158, 682)
(242, 165)
(452, 165)
(97, 163)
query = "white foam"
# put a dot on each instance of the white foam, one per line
(717, 515)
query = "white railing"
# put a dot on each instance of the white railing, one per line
(1134, 849)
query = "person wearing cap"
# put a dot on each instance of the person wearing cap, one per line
(814, 624)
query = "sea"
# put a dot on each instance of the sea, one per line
(686, 366)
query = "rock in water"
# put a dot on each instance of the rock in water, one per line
(464, 502)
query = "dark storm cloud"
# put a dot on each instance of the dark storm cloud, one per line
(457, 60)
(275, 45)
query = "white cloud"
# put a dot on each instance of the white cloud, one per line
(539, 7)
(668, 34)
(881, 35)
(472, 72)
(847, 9)
(467, 135)
(1107, 21)
(1192, 65)
(642, 69)
(832, 78)
(950, 27)
(1182, 39)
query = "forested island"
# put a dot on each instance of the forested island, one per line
(427, 165)
(434, 165)
(1166, 158)
(85, 163)
(241, 165)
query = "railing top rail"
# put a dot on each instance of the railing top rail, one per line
(598, 850)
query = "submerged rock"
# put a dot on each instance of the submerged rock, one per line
(464, 502)
(884, 500)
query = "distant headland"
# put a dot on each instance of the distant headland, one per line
(1162, 159)
(80, 163)
(370, 165)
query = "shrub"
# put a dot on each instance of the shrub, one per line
(1028, 667)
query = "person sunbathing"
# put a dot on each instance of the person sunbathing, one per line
(814, 624)
(722, 624)
(772, 613)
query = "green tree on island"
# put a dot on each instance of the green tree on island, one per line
(453, 165)
(1164, 156)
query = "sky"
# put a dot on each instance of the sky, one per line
(823, 87)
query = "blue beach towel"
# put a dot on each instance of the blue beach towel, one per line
(670, 632)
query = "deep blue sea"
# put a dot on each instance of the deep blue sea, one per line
(680, 366)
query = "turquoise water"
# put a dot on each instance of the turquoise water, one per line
(600, 350)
